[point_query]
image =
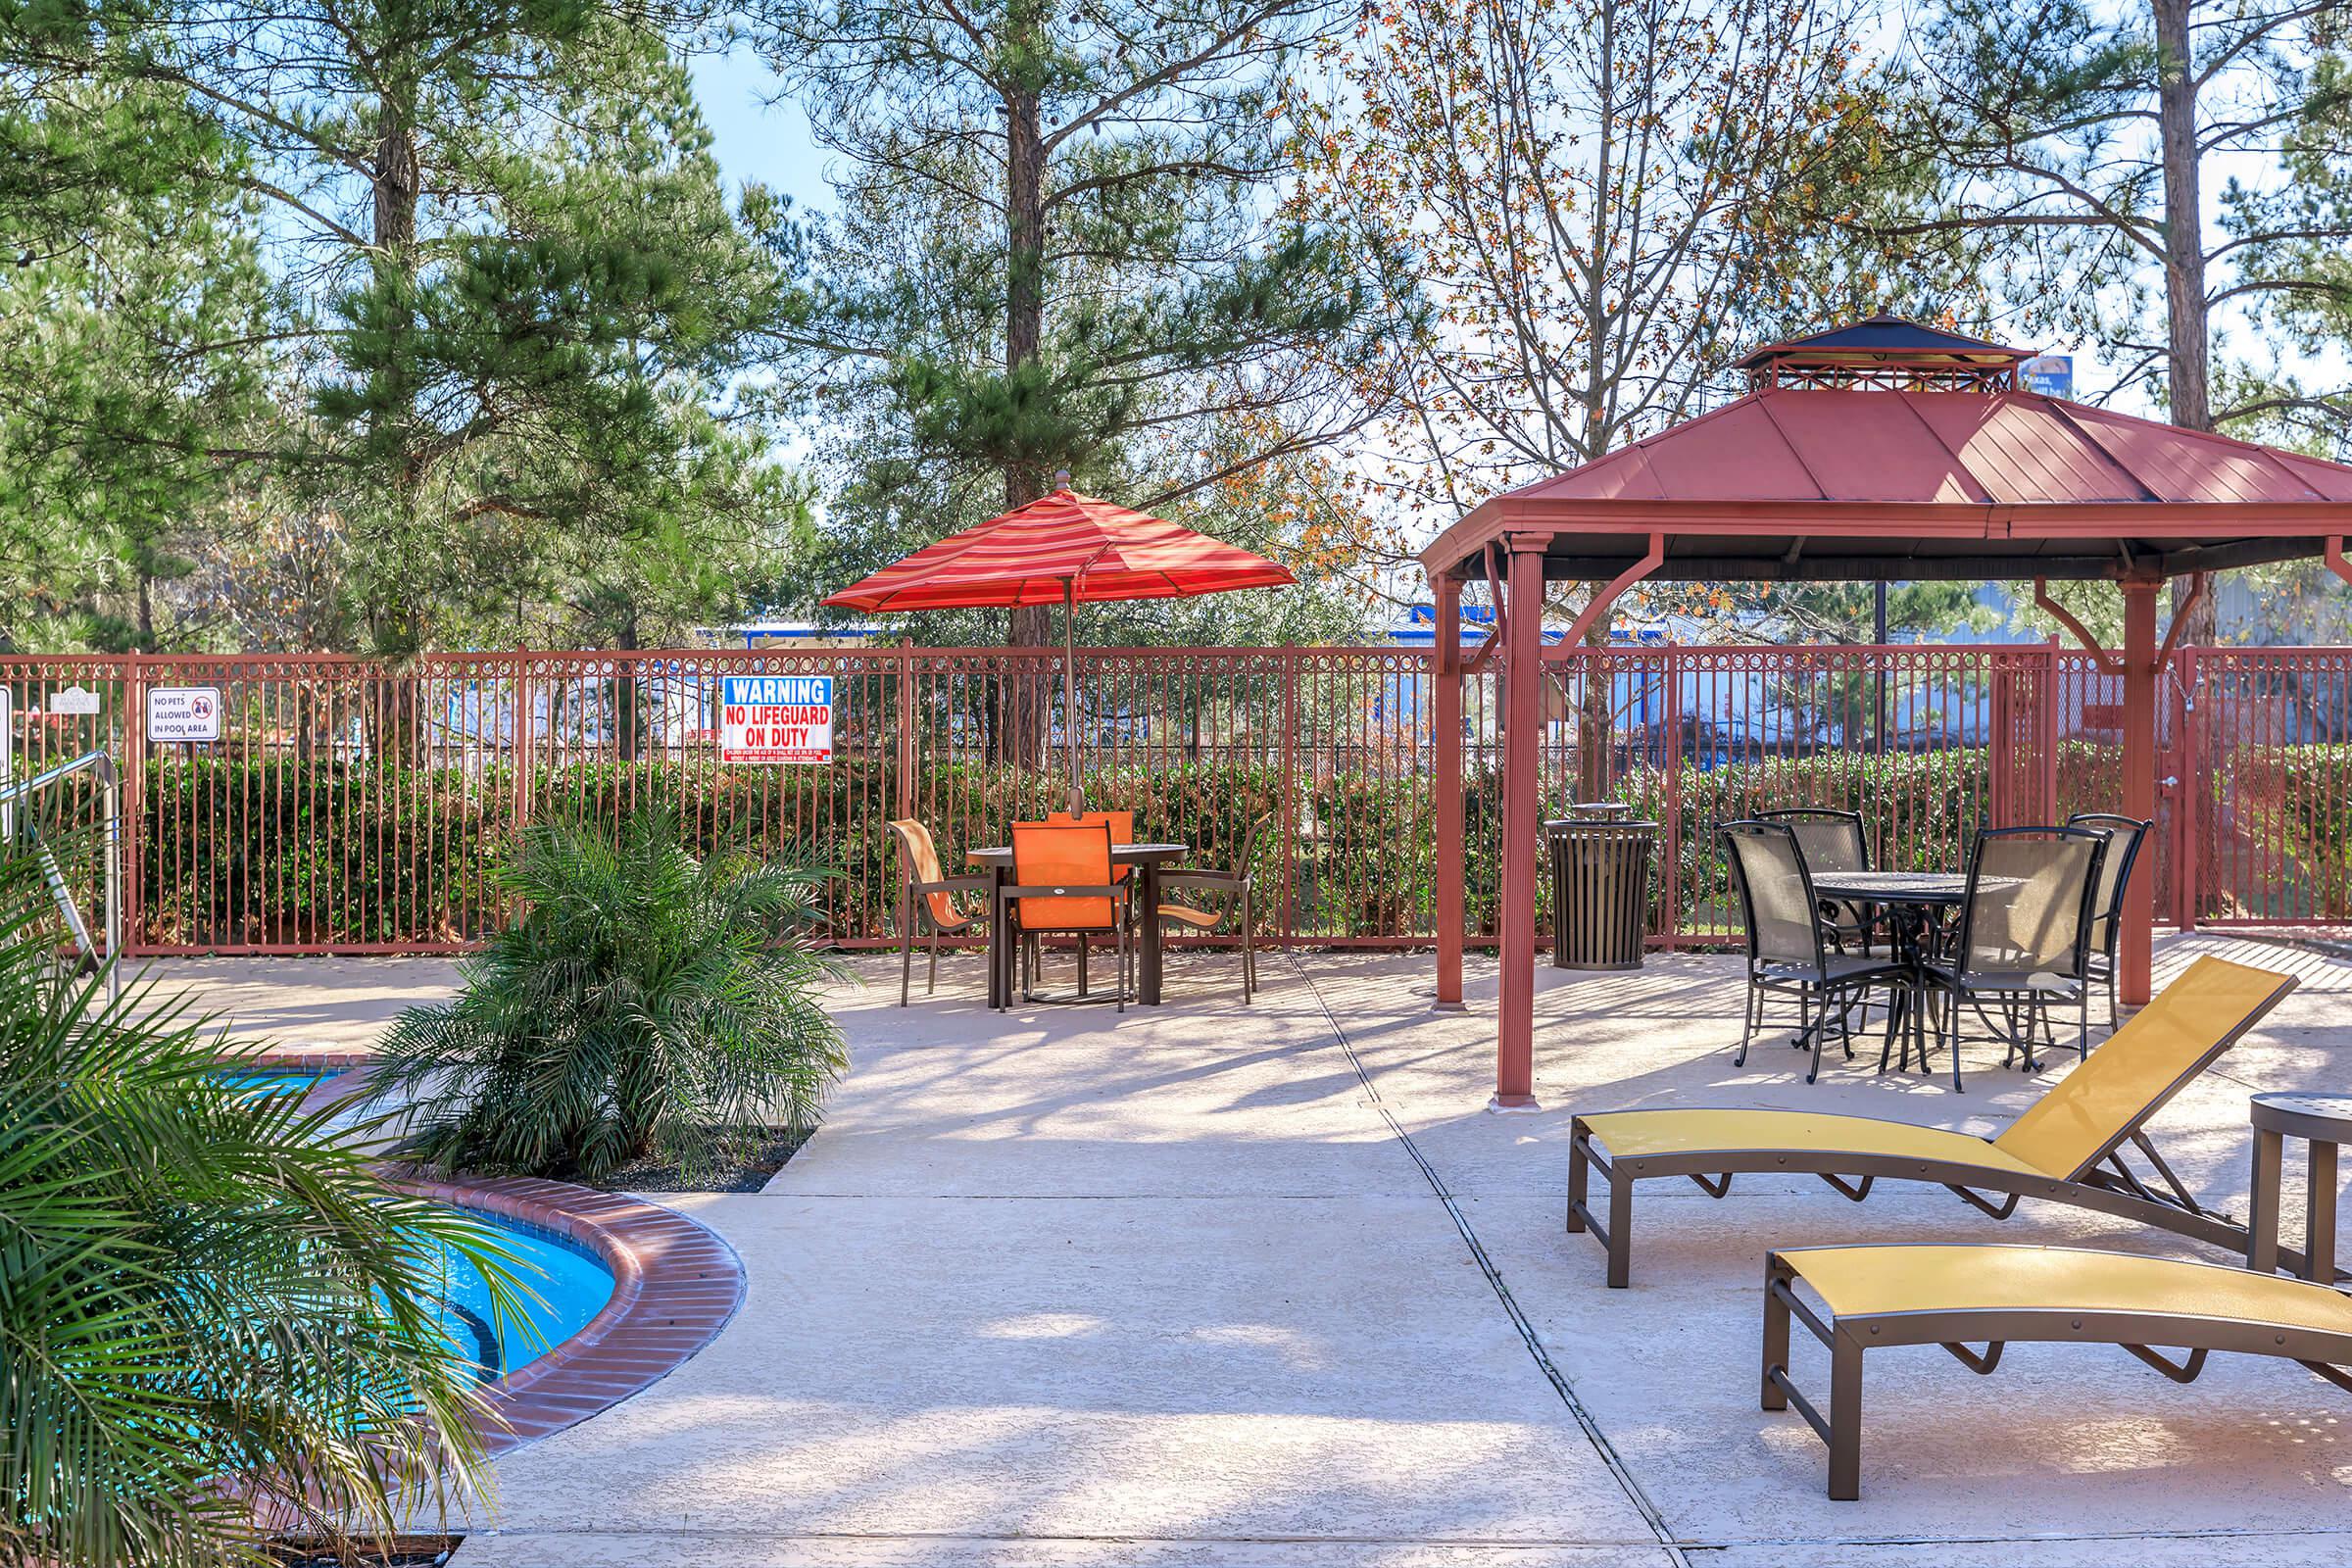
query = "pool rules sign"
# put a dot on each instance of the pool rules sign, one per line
(775, 718)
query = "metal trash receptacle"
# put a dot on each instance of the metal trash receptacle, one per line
(1600, 870)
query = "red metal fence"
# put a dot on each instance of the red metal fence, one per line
(351, 807)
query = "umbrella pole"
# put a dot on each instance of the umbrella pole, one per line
(1069, 685)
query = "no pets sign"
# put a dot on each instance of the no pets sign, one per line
(775, 718)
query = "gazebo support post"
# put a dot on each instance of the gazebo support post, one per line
(2139, 777)
(1447, 738)
(1523, 716)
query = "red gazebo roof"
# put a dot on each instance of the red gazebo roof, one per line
(1796, 483)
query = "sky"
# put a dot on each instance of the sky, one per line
(759, 134)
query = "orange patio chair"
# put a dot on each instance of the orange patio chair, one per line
(1062, 886)
(928, 895)
(1234, 885)
(1120, 823)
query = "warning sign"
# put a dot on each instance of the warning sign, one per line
(775, 718)
(183, 713)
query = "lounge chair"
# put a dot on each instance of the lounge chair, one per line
(2066, 1149)
(1953, 1296)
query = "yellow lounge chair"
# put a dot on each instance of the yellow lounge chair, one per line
(2066, 1149)
(1951, 1295)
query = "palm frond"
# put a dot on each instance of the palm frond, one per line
(206, 1297)
(643, 1002)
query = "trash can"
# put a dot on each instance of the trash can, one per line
(1599, 890)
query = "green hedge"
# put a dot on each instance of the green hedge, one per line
(321, 852)
(1924, 807)
(318, 851)
(2288, 843)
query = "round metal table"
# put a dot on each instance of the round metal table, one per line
(2323, 1122)
(1912, 899)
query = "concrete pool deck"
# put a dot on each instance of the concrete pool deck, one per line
(1211, 1286)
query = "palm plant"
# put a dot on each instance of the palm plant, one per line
(644, 1002)
(216, 1318)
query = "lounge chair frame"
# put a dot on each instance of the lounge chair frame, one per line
(1955, 1329)
(2103, 1182)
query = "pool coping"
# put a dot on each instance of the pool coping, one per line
(675, 1284)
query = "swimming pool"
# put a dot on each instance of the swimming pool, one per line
(571, 1282)
(566, 1284)
(273, 1079)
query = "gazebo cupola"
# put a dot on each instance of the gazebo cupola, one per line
(1879, 451)
(1889, 352)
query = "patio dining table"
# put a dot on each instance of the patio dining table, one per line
(1147, 861)
(1915, 899)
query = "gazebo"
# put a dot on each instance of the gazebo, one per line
(1884, 451)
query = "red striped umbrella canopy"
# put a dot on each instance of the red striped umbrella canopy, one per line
(1062, 549)
(1058, 549)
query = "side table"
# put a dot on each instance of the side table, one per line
(2323, 1121)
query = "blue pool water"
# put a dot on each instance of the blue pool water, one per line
(564, 1284)
(273, 1079)
(570, 1283)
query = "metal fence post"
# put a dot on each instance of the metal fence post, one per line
(1290, 793)
(1671, 808)
(2050, 700)
(519, 738)
(2188, 794)
(134, 805)
(905, 793)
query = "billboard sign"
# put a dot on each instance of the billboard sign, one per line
(2050, 375)
(775, 718)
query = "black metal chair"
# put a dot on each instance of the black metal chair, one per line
(2024, 938)
(2125, 835)
(1832, 840)
(1788, 951)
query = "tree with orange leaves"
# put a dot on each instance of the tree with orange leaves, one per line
(1602, 198)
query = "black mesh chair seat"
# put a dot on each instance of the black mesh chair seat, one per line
(1836, 967)
(2023, 942)
(2040, 982)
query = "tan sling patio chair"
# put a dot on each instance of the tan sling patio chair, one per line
(2066, 1149)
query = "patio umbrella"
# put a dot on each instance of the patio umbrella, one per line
(1068, 549)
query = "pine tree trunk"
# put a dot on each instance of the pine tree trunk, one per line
(395, 619)
(1592, 732)
(2189, 388)
(1028, 685)
(2187, 371)
(628, 721)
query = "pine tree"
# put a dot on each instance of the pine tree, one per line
(1058, 245)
